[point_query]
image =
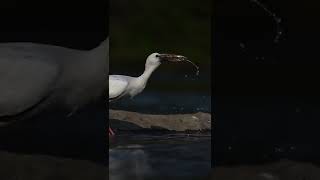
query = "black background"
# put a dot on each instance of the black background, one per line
(264, 103)
(76, 24)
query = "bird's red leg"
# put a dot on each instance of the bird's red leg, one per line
(111, 133)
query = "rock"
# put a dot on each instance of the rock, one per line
(281, 170)
(125, 120)
(41, 167)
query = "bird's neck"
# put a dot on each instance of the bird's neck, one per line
(147, 73)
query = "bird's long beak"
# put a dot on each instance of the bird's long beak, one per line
(172, 58)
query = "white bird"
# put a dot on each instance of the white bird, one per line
(122, 86)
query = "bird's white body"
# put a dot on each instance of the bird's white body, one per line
(38, 76)
(124, 85)
(120, 85)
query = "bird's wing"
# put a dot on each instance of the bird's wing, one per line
(117, 86)
(25, 79)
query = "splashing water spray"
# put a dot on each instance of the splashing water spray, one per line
(197, 67)
(276, 19)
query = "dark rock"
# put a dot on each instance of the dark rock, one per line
(125, 120)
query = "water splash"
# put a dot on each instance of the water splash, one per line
(197, 67)
(242, 46)
(134, 162)
(145, 156)
(276, 19)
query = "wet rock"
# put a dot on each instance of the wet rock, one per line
(41, 167)
(282, 170)
(125, 120)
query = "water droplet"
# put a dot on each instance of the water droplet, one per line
(197, 67)
(276, 19)
(292, 147)
(242, 45)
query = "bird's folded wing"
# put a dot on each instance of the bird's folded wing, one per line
(24, 81)
(117, 87)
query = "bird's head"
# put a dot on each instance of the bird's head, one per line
(157, 58)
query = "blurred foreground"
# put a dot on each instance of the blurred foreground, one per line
(280, 170)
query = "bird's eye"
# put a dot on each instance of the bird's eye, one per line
(157, 55)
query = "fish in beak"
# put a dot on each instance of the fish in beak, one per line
(177, 58)
(172, 58)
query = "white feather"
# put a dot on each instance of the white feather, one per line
(117, 86)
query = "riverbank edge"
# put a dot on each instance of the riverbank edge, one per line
(121, 120)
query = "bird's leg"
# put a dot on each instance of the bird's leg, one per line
(111, 133)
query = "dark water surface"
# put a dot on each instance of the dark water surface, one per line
(166, 103)
(159, 156)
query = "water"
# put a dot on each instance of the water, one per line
(276, 19)
(166, 103)
(162, 156)
(197, 67)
